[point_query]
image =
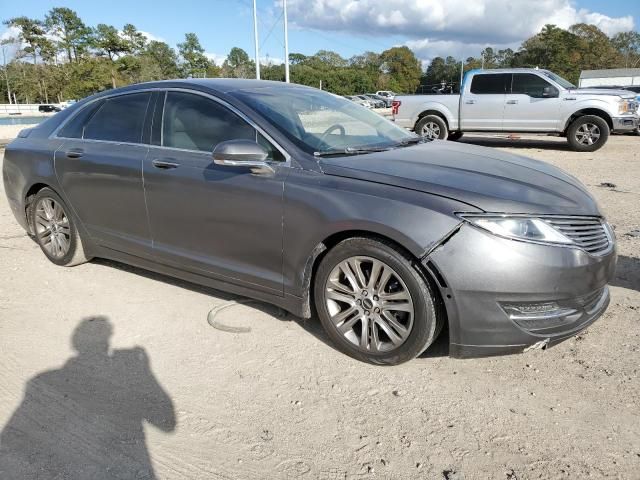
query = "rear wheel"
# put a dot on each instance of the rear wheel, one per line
(55, 230)
(588, 133)
(432, 127)
(373, 302)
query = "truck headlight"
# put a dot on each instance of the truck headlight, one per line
(521, 228)
(625, 106)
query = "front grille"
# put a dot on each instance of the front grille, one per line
(588, 233)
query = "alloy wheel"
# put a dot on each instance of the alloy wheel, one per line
(588, 134)
(431, 130)
(52, 227)
(369, 304)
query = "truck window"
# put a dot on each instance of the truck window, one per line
(529, 84)
(490, 83)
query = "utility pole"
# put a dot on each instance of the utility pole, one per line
(286, 42)
(255, 37)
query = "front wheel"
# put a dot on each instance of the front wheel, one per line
(588, 133)
(373, 303)
(432, 127)
(55, 230)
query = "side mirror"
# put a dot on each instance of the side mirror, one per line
(242, 153)
(549, 92)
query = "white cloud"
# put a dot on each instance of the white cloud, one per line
(216, 58)
(448, 27)
(151, 37)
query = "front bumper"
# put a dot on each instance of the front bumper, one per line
(480, 273)
(626, 123)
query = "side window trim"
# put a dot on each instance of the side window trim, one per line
(103, 101)
(285, 154)
(257, 128)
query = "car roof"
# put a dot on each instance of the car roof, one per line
(219, 85)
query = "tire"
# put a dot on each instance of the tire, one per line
(414, 323)
(432, 127)
(55, 229)
(454, 136)
(588, 133)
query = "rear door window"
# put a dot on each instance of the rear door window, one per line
(490, 83)
(75, 127)
(120, 119)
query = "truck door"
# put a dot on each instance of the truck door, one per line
(532, 104)
(483, 102)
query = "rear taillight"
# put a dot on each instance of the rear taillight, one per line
(395, 106)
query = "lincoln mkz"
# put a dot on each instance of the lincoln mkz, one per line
(303, 199)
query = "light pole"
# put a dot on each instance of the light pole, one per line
(255, 37)
(286, 42)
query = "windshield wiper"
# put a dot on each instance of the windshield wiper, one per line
(411, 141)
(350, 151)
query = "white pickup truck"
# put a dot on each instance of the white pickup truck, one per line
(520, 100)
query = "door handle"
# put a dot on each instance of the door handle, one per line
(512, 102)
(74, 153)
(470, 102)
(165, 164)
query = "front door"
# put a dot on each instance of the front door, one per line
(99, 167)
(531, 105)
(482, 105)
(219, 221)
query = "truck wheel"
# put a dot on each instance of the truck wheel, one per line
(587, 133)
(432, 127)
(454, 136)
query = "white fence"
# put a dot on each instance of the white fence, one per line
(22, 108)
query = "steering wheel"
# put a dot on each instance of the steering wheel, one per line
(335, 126)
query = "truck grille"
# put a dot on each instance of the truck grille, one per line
(586, 232)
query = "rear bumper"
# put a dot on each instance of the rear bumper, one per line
(483, 274)
(626, 123)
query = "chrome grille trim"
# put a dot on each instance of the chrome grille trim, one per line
(588, 233)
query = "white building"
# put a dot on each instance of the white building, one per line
(619, 77)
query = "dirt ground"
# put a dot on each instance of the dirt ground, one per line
(114, 373)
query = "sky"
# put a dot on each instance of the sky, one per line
(460, 28)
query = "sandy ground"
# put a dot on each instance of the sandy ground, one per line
(114, 373)
(8, 132)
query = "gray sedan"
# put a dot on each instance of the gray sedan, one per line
(300, 198)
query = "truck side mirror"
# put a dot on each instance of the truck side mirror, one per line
(550, 92)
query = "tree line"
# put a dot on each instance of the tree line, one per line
(59, 57)
(565, 52)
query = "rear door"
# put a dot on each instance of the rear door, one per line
(483, 103)
(532, 104)
(99, 167)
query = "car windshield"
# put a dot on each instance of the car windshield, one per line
(559, 80)
(322, 123)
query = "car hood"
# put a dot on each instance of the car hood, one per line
(485, 178)
(603, 91)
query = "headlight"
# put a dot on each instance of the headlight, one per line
(521, 228)
(626, 106)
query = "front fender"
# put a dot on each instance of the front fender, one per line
(571, 108)
(318, 206)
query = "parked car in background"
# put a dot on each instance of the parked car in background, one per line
(374, 102)
(386, 102)
(48, 108)
(521, 100)
(300, 198)
(386, 93)
(360, 101)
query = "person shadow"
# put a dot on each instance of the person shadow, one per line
(86, 419)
